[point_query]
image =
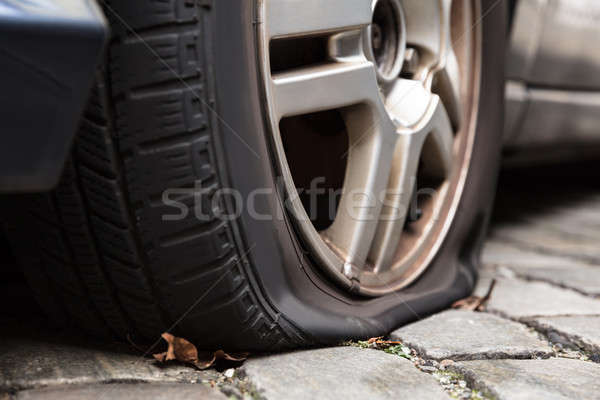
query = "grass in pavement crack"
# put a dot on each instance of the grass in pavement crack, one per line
(235, 385)
(453, 383)
(457, 386)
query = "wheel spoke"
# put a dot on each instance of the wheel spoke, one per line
(372, 142)
(429, 30)
(325, 87)
(439, 153)
(435, 128)
(301, 17)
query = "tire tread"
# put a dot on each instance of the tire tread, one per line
(115, 267)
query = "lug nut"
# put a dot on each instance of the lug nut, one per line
(411, 61)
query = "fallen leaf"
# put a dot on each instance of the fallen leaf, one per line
(182, 350)
(378, 343)
(475, 303)
(470, 303)
(179, 349)
(388, 342)
(220, 354)
(206, 359)
(374, 339)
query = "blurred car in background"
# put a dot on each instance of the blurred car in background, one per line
(553, 81)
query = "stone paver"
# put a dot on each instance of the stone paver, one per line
(562, 271)
(585, 216)
(553, 379)
(519, 299)
(583, 331)
(584, 280)
(126, 391)
(497, 253)
(467, 335)
(27, 362)
(542, 239)
(575, 225)
(340, 373)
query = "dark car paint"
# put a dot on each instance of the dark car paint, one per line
(49, 52)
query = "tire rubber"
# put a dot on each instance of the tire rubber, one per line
(180, 78)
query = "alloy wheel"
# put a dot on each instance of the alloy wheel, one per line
(400, 80)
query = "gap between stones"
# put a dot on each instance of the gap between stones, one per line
(545, 250)
(527, 278)
(452, 381)
(565, 346)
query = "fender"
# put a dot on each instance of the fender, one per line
(49, 51)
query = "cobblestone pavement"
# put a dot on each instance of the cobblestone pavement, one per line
(539, 336)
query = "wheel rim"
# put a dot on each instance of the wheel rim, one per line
(409, 116)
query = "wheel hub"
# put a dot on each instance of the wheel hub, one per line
(385, 39)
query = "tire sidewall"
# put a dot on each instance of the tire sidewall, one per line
(281, 270)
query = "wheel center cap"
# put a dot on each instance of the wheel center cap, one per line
(385, 39)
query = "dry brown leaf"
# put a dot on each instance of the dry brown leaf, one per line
(206, 359)
(379, 343)
(236, 357)
(475, 303)
(470, 303)
(179, 349)
(182, 350)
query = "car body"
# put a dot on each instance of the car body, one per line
(49, 50)
(553, 80)
(552, 87)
